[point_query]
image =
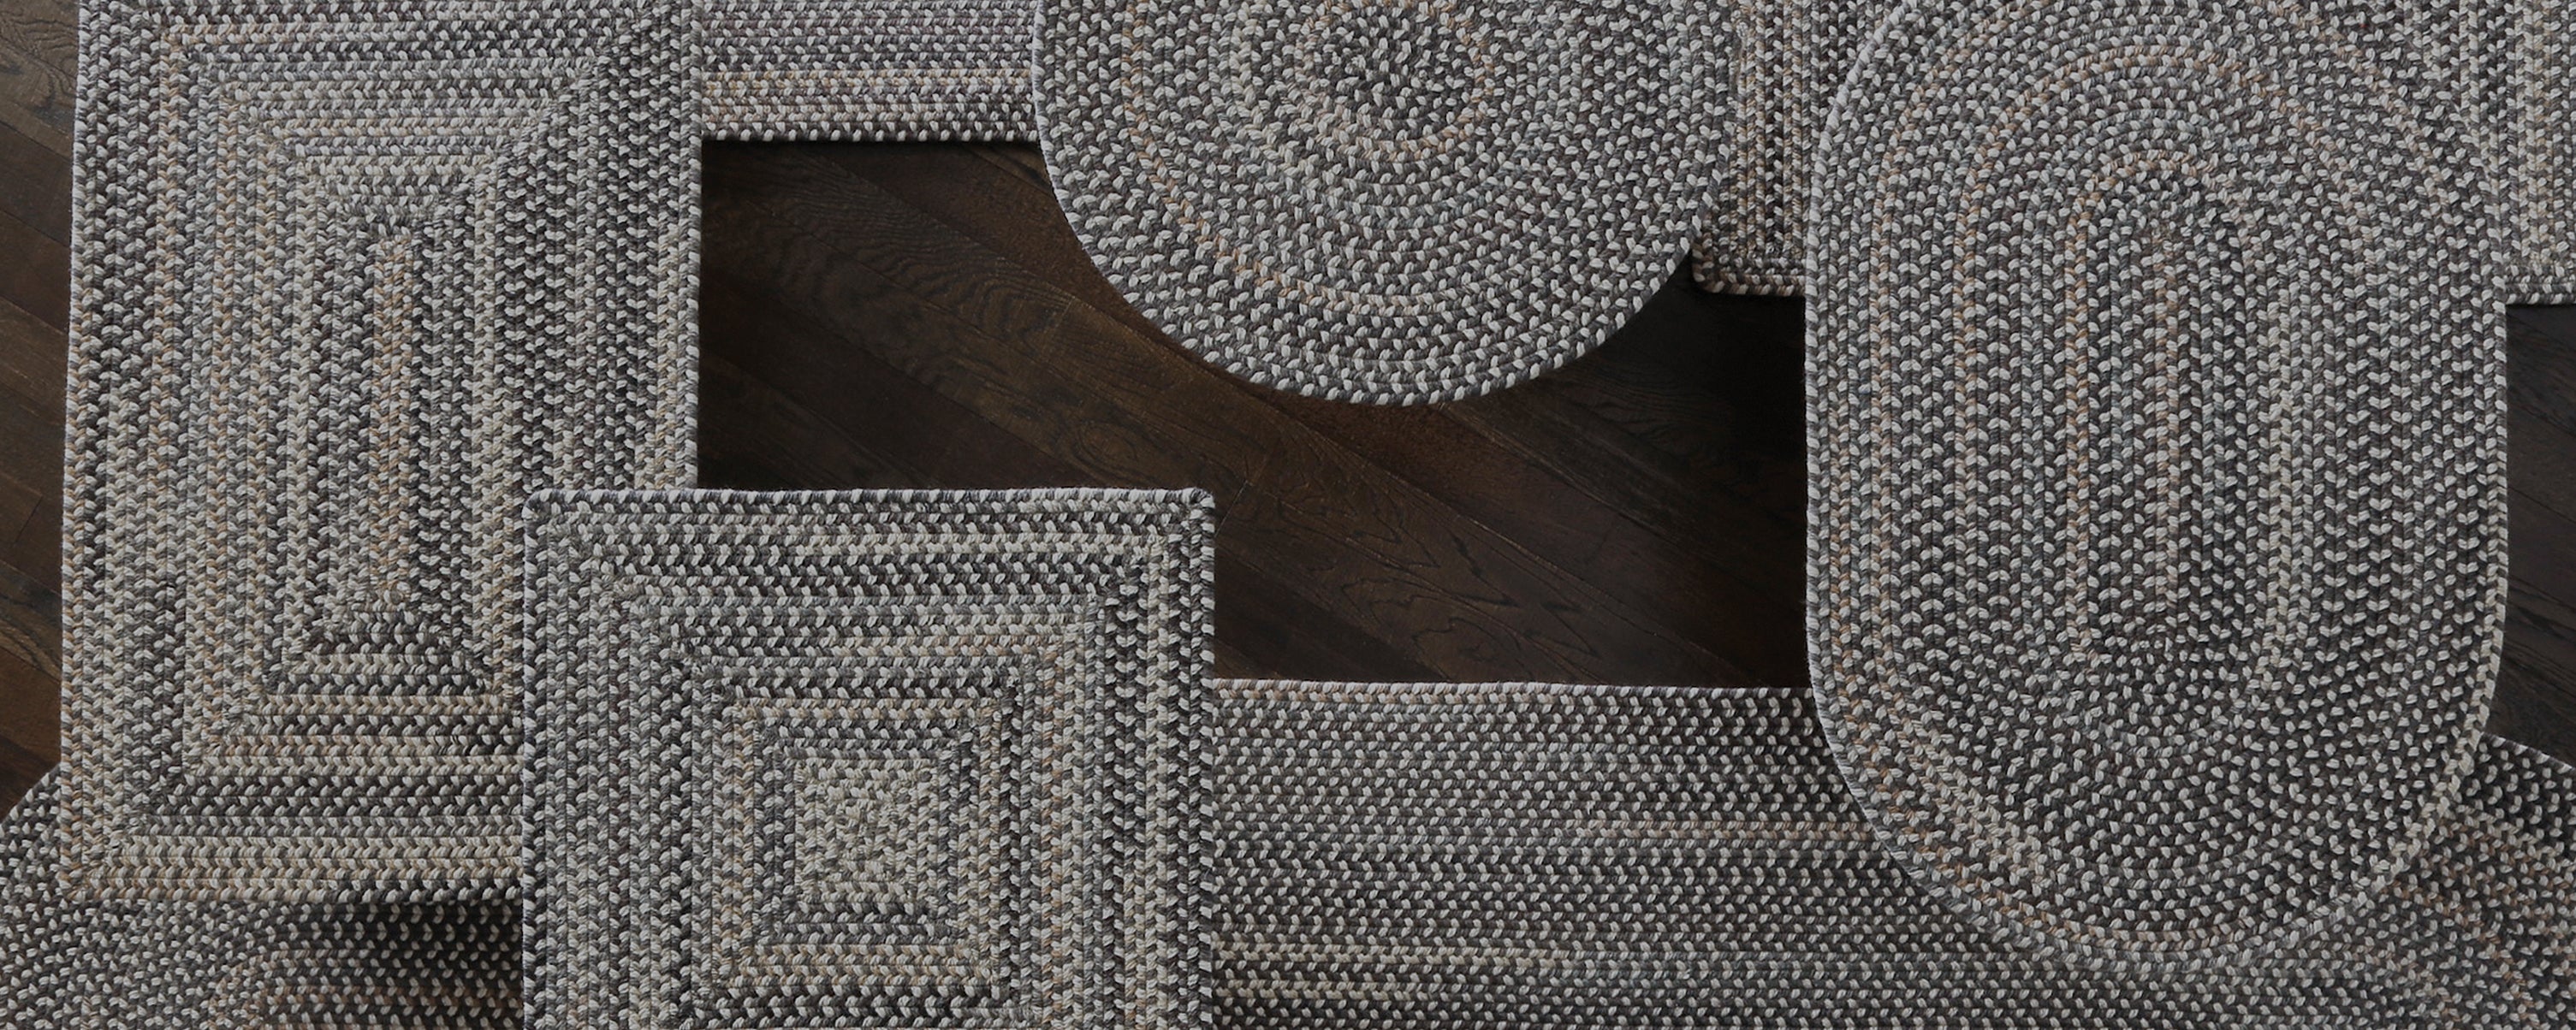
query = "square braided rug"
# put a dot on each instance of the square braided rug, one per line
(800, 760)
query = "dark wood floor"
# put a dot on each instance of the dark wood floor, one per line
(881, 315)
(35, 296)
(893, 315)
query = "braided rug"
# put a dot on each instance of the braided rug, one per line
(2157, 468)
(69, 962)
(2537, 145)
(1794, 54)
(1798, 53)
(1529, 856)
(1393, 201)
(866, 759)
(352, 278)
(868, 69)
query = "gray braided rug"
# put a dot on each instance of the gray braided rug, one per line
(2157, 466)
(1794, 54)
(869, 69)
(1798, 53)
(1397, 201)
(74, 963)
(2537, 148)
(1526, 856)
(838, 760)
(352, 278)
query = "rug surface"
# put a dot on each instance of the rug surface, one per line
(69, 962)
(352, 279)
(2536, 145)
(868, 69)
(918, 759)
(1400, 202)
(2520, 53)
(1534, 856)
(2156, 463)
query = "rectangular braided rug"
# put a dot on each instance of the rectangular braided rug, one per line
(352, 279)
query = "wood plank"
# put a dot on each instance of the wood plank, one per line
(33, 355)
(35, 185)
(758, 438)
(1268, 632)
(1130, 410)
(986, 193)
(2536, 688)
(37, 275)
(30, 709)
(31, 623)
(931, 442)
(36, 552)
(916, 437)
(37, 44)
(19, 771)
(1709, 564)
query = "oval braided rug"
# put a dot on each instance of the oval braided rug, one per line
(2156, 430)
(1395, 201)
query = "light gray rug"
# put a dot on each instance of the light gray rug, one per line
(868, 759)
(2156, 458)
(352, 278)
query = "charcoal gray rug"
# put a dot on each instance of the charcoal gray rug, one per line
(1528, 856)
(2157, 464)
(70, 962)
(925, 759)
(1396, 202)
(352, 278)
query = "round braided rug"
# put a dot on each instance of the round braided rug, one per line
(1393, 201)
(2156, 429)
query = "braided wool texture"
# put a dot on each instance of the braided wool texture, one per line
(2156, 439)
(869, 69)
(352, 278)
(2536, 125)
(866, 759)
(2520, 53)
(1396, 202)
(1794, 54)
(69, 962)
(1522, 855)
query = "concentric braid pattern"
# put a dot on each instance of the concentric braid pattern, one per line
(1394, 201)
(353, 277)
(842, 760)
(2156, 421)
